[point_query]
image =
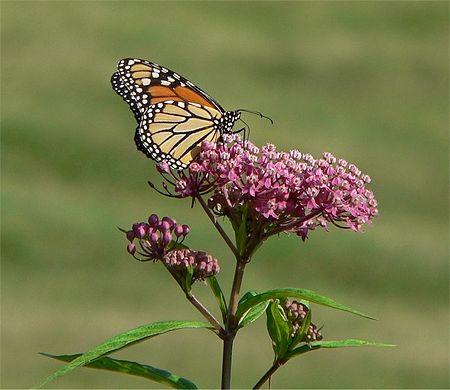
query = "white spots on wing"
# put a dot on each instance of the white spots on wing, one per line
(164, 82)
(155, 75)
(139, 90)
(146, 82)
(171, 79)
(130, 62)
(177, 76)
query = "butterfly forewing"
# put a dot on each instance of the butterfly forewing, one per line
(150, 83)
(120, 88)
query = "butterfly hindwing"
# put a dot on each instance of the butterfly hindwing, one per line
(173, 131)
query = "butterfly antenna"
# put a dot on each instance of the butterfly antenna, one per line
(256, 113)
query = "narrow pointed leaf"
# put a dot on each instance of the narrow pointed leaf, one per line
(278, 328)
(132, 368)
(253, 314)
(217, 291)
(124, 339)
(294, 293)
(335, 344)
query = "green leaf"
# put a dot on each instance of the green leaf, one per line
(186, 281)
(253, 314)
(122, 340)
(241, 233)
(278, 328)
(217, 291)
(335, 344)
(132, 368)
(294, 293)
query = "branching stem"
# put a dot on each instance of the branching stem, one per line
(231, 327)
(218, 227)
(205, 312)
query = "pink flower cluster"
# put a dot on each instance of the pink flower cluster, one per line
(285, 191)
(203, 265)
(156, 237)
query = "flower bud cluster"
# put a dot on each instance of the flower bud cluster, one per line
(203, 265)
(285, 191)
(296, 313)
(155, 238)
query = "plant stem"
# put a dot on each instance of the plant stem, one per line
(226, 361)
(202, 309)
(218, 227)
(231, 325)
(268, 374)
(229, 333)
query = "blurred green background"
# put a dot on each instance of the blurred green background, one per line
(367, 81)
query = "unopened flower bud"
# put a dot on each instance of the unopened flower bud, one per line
(141, 231)
(136, 226)
(186, 229)
(154, 237)
(153, 220)
(163, 167)
(131, 248)
(130, 235)
(167, 237)
(170, 221)
(164, 226)
(179, 230)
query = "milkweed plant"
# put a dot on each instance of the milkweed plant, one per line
(261, 193)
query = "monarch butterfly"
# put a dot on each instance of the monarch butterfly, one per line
(174, 116)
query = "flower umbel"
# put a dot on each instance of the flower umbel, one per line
(283, 191)
(203, 265)
(162, 240)
(155, 238)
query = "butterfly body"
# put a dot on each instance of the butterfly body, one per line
(174, 116)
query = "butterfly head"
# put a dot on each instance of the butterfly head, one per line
(228, 120)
